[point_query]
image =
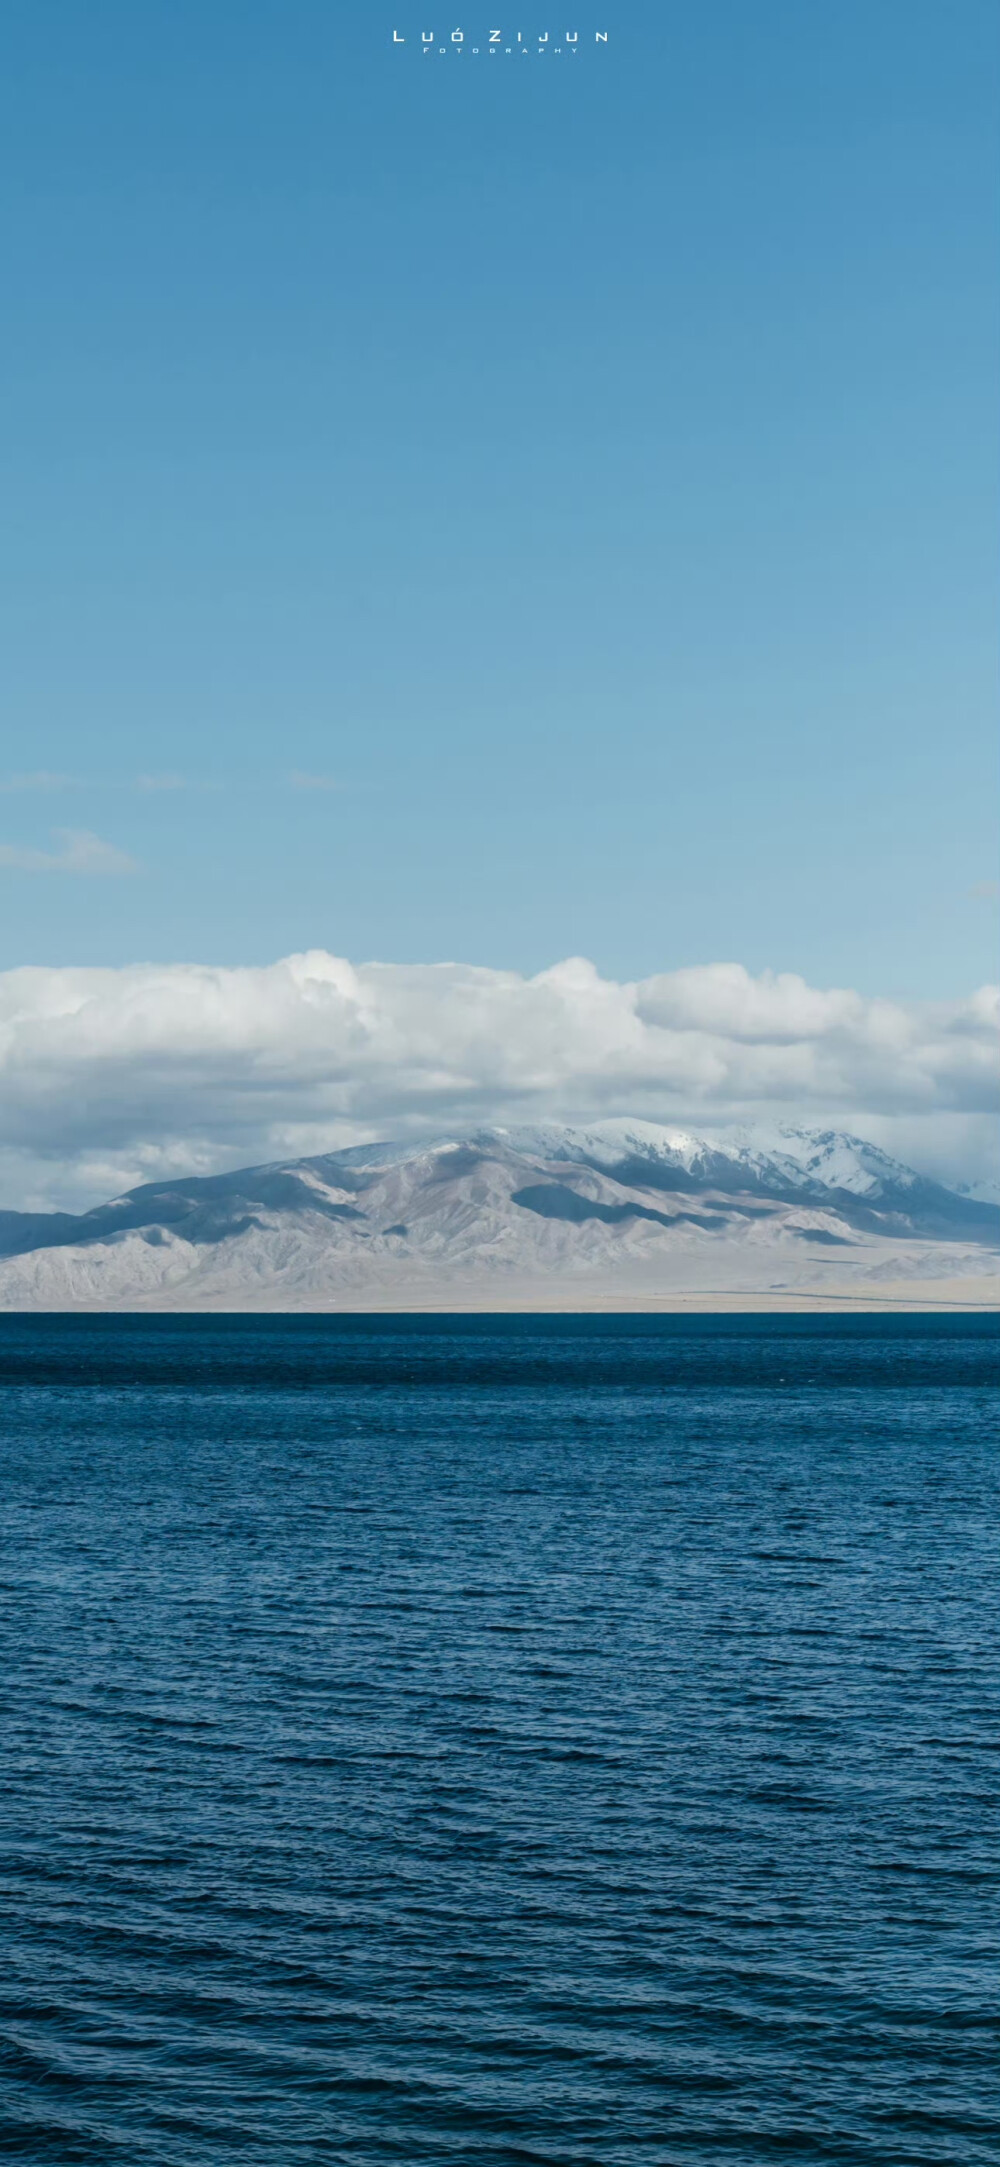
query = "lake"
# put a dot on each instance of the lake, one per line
(499, 1740)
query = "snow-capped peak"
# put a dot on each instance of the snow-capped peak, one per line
(831, 1159)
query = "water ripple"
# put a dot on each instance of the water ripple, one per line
(491, 1741)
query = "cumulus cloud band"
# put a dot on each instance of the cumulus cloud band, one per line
(189, 1066)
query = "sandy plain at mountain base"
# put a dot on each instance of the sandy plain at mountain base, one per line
(941, 1295)
(914, 1296)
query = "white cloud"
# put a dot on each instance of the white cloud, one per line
(153, 783)
(79, 852)
(41, 779)
(188, 1067)
(299, 781)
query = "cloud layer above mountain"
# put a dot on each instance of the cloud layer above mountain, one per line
(114, 1076)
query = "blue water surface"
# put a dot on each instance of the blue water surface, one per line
(499, 1741)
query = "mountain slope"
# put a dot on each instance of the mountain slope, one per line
(623, 1206)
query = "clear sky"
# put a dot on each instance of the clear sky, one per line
(580, 473)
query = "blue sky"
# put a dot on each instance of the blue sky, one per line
(580, 476)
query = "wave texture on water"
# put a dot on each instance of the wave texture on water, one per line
(494, 1741)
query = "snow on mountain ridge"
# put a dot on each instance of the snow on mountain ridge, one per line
(832, 1158)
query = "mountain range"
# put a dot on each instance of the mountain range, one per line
(517, 1217)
